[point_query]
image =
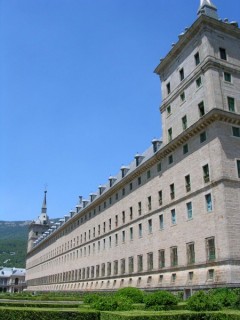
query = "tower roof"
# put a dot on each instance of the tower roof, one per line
(208, 8)
(44, 205)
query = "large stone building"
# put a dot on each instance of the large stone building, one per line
(12, 280)
(171, 219)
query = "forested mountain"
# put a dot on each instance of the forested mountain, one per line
(13, 243)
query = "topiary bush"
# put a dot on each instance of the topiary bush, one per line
(160, 300)
(134, 294)
(112, 303)
(202, 301)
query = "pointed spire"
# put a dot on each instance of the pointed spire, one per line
(44, 205)
(208, 8)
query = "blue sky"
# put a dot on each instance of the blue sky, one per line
(78, 96)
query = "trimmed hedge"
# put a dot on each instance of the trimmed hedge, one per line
(170, 316)
(38, 305)
(31, 314)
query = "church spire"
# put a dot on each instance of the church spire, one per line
(44, 205)
(208, 8)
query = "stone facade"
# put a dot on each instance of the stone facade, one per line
(12, 280)
(171, 219)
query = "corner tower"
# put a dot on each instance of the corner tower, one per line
(39, 226)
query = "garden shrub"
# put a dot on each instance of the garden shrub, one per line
(134, 294)
(226, 297)
(160, 300)
(90, 297)
(112, 303)
(202, 301)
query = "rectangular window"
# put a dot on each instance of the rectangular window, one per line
(238, 168)
(131, 213)
(103, 269)
(210, 275)
(123, 191)
(208, 200)
(104, 228)
(97, 270)
(169, 134)
(123, 266)
(170, 159)
(148, 174)
(206, 175)
(190, 275)
(123, 236)
(182, 96)
(201, 109)
(123, 216)
(199, 82)
(139, 208)
(189, 210)
(190, 253)
(161, 258)
(130, 186)
(140, 263)
(231, 104)
(131, 233)
(227, 77)
(173, 216)
(169, 110)
(140, 230)
(161, 222)
(115, 267)
(104, 244)
(203, 137)
(197, 58)
(223, 54)
(160, 197)
(109, 268)
(184, 122)
(181, 74)
(185, 148)
(130, 265)
(149, 203)
(139, 181)
(99, 230)
(159, 167)
(173, 256)
(116, 239)
(168, 86)
(110, 224)
(210, 248)
(188, 183)
(110, 241)
(173, 277)
(172, 191)
(150, 261)
(150, 226)
(236, 132)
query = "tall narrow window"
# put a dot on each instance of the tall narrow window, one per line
(115, 267)
(197, 58)
(201, 109)
(168, 86)
(159, 167)
(161, 222)
(150, 226)
(190, 253)
(181, 74)
(172, 191)
(139, 181)
(123, 266)
(184, 122)
(110, 224)
(161, 258)
(148, 174)
(231, 104)
(140, 263)
(210, 248)
(150, 261)
(185, 148)
(110, 241)
(139, 208)
(173, 256)
(182, 96)
(131, 213)
(169, 111)
(173, 216)
(208, 199)
(131, 233)
(160, 197)
(189, 210)
(149, 203)
(130, 265)
(238, 168)
(170, 159)
(170, 134)
(103, 269)
(188, 183)
(206, 176)
(123, 236)
(116, 239)
(109, 268)
(123, 216)
(199, 82)
(140, 230)
(223, 54)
